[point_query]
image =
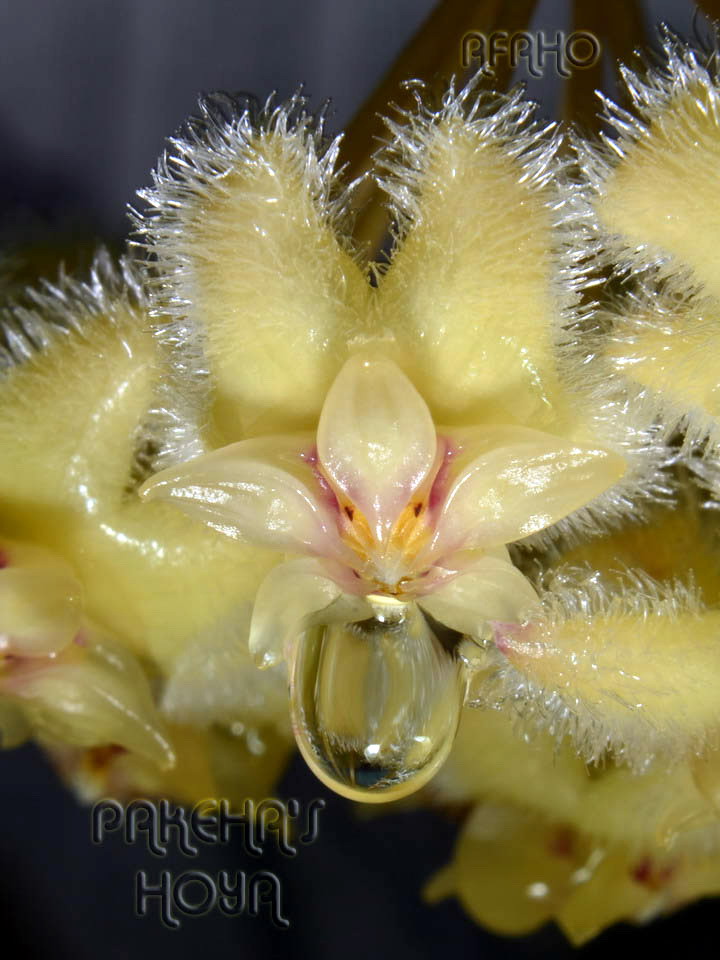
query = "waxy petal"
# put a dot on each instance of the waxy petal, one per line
(288, 596)
(504, 871)
(376, 439)
(40, 601)
(89, 696)
(492, 589)
(260, 490)
(497, 754)
(510, 482)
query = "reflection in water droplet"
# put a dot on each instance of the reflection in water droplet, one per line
(375, 704)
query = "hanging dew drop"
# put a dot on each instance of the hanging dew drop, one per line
(375, 704)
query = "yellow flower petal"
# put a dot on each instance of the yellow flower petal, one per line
(376, 439)
(633, 670)
(213, 680)
(490, 589)
(261, 491)
(496, 756)
(242, 223)
(661, 196)
(289, 594)
(211, 764)
(89, 696)
(40, 601)
(14, 728)
(72, 419)
(622, 887)
(510, 870)
(471, 289)
(510, 482)
(69, 417)
(663, 356)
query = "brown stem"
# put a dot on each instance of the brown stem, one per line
(620, 28)
(433, 54)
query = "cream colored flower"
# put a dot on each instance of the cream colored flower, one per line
(389, 514)
(384, 435)
(449, 478)
(387, 508)
(618, 675)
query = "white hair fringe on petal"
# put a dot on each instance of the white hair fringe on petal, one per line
(206, 150)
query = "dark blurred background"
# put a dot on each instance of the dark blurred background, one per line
(88, 91)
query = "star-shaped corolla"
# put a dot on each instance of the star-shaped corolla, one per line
(386, 505)
(379, 423)
(400, 528)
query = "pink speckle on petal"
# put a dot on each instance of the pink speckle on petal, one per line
(310, 455)
(506, 635)
(649, 874)
(439, 488)
(325, 492)
(642, 872)
(562, 843)
(4, 559)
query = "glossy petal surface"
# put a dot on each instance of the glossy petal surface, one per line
(510, 482)
(90, 696)
(289, 594)
(40, 601)
(376, 439)
(490, 589)
(260, 491)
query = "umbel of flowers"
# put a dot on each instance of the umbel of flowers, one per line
(462, 502)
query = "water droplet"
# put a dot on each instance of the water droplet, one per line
(375, 704)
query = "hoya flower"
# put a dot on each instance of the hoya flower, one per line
(58, 674)
(451, 491)
(649, 343)
(89, 618)
(390, 514)
(391, 430)
(584, 851)
(619, 666)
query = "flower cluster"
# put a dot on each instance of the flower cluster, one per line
(463, 500)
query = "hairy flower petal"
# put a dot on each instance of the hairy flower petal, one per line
(662, 194)
(634, 670)
(471, 288)
(242, 222)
